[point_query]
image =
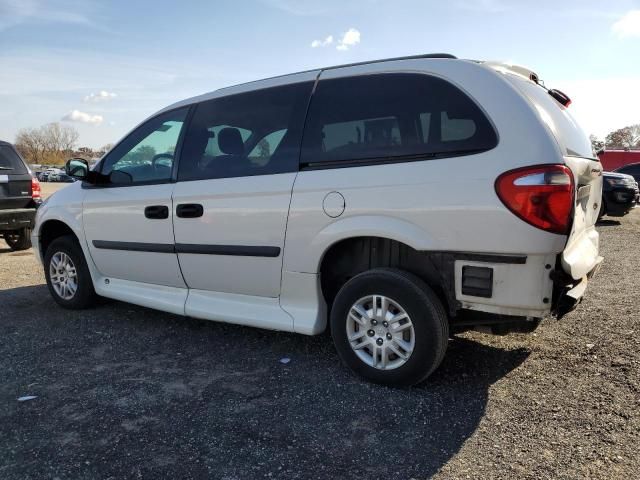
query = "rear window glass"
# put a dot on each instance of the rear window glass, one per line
(572, 139)
(392, 115)
(10, 162)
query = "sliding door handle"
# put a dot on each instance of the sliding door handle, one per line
(156, 212)
(189, 210)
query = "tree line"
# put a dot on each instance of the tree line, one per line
(627, 138)
(52, 144)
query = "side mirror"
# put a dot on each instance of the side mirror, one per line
(77, 168)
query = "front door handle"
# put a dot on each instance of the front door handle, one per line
(189, 210)
(156, 212)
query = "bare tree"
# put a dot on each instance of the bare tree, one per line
(30, 144)
(49, 144)
(106, 148)
(596, 143)
(624, 138)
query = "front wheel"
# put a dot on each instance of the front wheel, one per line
(389, 327)
(18, 239)
(67, 274)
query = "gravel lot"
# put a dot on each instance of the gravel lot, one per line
(125, 392)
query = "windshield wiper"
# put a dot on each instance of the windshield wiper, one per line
(6, 168)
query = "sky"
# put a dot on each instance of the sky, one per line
(103, 67)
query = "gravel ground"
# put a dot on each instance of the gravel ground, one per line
(125, 392)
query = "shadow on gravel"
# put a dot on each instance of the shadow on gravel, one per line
(125, 391)
(608, 223)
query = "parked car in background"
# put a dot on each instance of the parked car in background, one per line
(54, 174)
(50, 174)
(353, 165)
(64, 178)
(619, 194)
(632, 169)
(19, 198)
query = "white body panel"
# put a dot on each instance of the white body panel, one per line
(117, 214)
(518, 290)
(244, 211)
(247, 310)
(167, 299)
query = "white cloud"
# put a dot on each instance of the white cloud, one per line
(101, 96)
(16, 12)
(82, 117)
(349, 39)
(322, 43)
(628, 25)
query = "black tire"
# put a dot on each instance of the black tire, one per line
(430, 323)
(85, 295)
(19, 239)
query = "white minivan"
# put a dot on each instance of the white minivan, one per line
(395, 201)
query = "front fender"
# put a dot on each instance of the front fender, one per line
(64, 206)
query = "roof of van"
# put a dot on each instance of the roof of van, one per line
(315, 71)
(355, 64)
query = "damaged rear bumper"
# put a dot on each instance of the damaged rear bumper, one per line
(568, 292)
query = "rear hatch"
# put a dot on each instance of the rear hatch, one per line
(15, 180)
(580, 255)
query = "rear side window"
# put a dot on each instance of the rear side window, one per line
(10, 162)
(390, 116)
(253, 133)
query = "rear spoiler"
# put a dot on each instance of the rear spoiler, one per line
(561, 97)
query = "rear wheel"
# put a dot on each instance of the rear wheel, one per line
(67, 274)
(389, 327)
(18, 239)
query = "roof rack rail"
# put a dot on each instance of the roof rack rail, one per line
(409, 57)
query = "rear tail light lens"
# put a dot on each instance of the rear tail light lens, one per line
(36, 192)
(541, 196)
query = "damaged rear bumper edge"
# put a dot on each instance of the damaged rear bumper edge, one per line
(568, 292)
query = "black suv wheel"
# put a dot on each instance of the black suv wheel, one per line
(19, 239)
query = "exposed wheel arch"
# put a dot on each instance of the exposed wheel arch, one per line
(52, 229)
(351, 256)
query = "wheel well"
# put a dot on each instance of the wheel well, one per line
(51, 230)
(347, 258)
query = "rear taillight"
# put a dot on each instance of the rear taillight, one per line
(541, 196)
(36, 192)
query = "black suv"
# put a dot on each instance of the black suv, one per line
(632, 169)
(619, 194)
(19, 198)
